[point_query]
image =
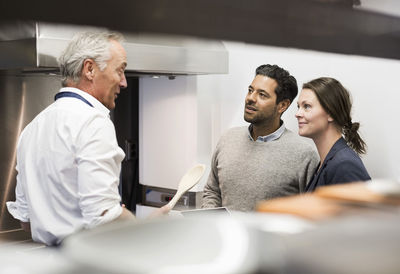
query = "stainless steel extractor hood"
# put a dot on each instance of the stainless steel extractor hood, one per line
(35, 46)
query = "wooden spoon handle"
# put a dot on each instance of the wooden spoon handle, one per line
(175, 199)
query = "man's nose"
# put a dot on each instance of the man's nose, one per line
(123, 83)
(250, 97)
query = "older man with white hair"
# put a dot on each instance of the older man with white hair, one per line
(68, 159)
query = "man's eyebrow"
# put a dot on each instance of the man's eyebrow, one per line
(262, 90)
(258, 90)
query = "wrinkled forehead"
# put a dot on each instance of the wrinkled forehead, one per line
(118, 53)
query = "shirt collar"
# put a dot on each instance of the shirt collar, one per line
(96, 103)
(270, 137)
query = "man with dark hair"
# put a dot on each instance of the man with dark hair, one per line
(264, 160)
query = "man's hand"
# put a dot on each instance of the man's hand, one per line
(160, 211)
(126, 214)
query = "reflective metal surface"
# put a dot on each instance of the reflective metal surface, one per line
(22, 98)
(28, 45)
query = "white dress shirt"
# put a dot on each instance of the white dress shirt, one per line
(68, 164)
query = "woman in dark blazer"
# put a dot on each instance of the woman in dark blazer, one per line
(324, 115)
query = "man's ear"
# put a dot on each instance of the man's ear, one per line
(283, 105)
(88, 69)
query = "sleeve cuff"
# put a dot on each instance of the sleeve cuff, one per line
(16, 213)
(110, 215)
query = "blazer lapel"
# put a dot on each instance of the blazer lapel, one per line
(341, 143)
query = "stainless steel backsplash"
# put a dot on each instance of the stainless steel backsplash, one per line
(23, 96)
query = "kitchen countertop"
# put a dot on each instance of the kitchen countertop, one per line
(364, 238)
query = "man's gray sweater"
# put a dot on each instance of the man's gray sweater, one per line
(244, 172)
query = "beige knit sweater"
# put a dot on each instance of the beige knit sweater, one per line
(244, 172)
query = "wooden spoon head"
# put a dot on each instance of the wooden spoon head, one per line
(191, 178)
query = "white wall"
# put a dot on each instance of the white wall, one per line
(373, 83)
(182, 119)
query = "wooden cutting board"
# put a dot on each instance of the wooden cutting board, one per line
(355, 192)
(327, 201)
(308, 206)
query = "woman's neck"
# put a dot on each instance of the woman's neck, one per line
(325, 142)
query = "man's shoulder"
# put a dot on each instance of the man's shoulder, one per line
(40, 116)
(72, 114)
(77, 114)
(297, 145)
(237, 130)
(233, 135)
(234, 131)
(291, 138)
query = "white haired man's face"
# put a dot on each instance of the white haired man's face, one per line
(108, 82)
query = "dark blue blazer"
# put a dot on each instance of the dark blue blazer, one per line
(341, 165)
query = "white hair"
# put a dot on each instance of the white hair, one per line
(86, 45)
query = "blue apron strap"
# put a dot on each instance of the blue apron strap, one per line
(71, 94)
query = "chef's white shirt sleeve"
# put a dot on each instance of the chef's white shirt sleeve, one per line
(99, 158)
(19, 209)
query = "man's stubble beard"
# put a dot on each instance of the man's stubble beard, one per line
(261, 120)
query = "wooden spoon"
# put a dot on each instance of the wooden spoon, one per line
(189, 180)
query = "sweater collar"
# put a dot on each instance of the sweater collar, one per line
(270, 137)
